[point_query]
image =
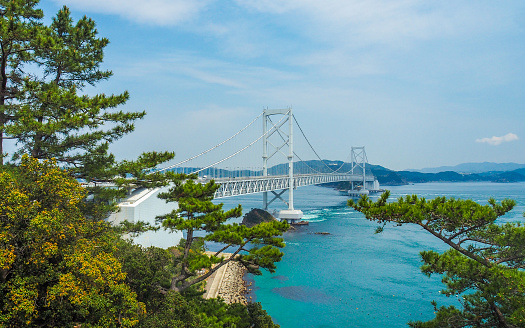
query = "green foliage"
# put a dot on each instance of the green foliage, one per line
(485, 262)
(60, 263)
(256, 247)
(19, 26)
(173, 311)
(56, 267)
(258, 317)
(180, 311)
(148, 272)
(52, 120)
(147, 269)
(47, 112)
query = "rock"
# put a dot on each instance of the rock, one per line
(256, 216)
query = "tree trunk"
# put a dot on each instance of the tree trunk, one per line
(500, 315)
(187, 247)
(3, 91)
(36, 152)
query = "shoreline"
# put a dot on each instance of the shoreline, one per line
(230, 284)
(249, 282)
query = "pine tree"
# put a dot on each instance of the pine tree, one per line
(256, 248)
(54, 119)
(19, 27)
(484, 265)
(49, 115)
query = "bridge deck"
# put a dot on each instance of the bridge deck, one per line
(250, 185)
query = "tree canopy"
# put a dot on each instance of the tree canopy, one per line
(256, 247)
(19, 27)
(485, 262)
(44, 111)
(61, 264)
(56, 266)
(44, 107)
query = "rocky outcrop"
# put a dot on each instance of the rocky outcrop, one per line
(256, 216)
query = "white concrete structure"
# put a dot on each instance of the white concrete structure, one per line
(143, 205)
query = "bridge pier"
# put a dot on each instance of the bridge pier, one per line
(291, 215)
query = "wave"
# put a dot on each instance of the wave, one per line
(313, 218)
(316, 220)
(310, 216)
(342, 213)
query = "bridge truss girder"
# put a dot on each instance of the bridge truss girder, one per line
(244, 186)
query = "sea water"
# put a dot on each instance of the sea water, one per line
(352, 277)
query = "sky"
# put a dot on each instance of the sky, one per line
(418, 83)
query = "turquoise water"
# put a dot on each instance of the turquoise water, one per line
(353, 277)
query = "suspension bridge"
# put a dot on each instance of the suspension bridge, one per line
(268, 162)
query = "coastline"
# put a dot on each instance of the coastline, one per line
(249, 282)
(229, 284)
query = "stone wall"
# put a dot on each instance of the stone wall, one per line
(232, 288)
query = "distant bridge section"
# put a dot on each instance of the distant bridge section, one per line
(249, 185)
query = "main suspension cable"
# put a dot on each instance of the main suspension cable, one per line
(308, 141)
(212, 148)
(303, 161)
(237, 152)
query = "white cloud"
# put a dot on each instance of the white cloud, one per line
(359, 22)
(156, 12)
(498, 140)
(191, 67)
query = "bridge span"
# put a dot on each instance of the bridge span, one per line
(230, 187)
(282, 168)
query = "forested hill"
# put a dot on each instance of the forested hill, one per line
(474, 168)
(389, 177)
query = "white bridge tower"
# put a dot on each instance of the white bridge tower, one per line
(270, 149)
(359, 160)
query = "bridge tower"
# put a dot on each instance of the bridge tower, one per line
(272, 148)
(359, 160)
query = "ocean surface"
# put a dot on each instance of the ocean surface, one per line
(353, 277)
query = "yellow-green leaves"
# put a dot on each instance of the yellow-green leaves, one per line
(56, 266)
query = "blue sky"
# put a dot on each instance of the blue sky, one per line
(418, 83)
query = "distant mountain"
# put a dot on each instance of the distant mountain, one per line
(473, 168)
(468, 172)
(395, 178)
(520, 171)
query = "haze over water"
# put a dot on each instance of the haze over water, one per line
(354, 277)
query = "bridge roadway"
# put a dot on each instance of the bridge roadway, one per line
(230, 187)
(249, 185)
